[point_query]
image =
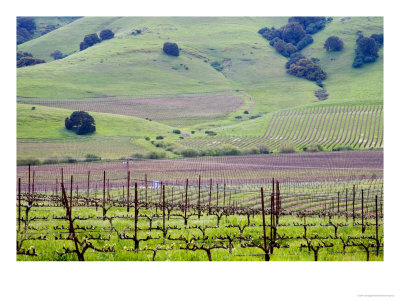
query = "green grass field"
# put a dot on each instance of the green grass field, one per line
(231, 224)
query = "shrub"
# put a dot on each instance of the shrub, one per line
(342, 148)
(137, 155)
(81, 122)
(189, 153)
(51, 161)
(156, 155)
(217, 66)
(210, 133)
(92, 157)
(264, 149)
(28, 161)
(71, 160)
(307, 69)
(321, 94)
(106, 34)
(177, 131)
(230, 150)
(147, 138)
(193, 132)
(29, 61)
(333, 43)
(57, 54)
(287, 147)
(246, 112)
(313, 148)
(171, 49)
(160, 137)
(252, 150)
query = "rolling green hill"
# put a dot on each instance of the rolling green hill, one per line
(134, 66)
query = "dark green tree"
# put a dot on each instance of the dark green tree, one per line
(89, 40)
(81, 122)
(106, 34)
(293, 33)
(367, 46)
(333, 43)
(57, 54)
(171, 49)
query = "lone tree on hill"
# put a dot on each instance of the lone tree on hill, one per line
(171, 49)
(81, 122)
(57, 54)
(333, 43)
(106, 34)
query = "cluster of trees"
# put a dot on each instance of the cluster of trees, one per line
(80, 122)
(25, 29)
(292, 38)
(21, 54)
(92, 39)
(333, 43)
(308, 69)
(171, 49)
(25, 59)
(367, 49)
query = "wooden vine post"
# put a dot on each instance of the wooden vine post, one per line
(338, 201)
(198, 201)
(163, 213)
(145, 183)
(354, 200)
(88, 184)
(136, 217)
(104, 195)
(217, 194)
(362, 211)
(19, 204)
(263, 219)
(209, 200)
(186, 199)
(127, 190)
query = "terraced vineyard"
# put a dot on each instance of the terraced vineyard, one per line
(357, 127)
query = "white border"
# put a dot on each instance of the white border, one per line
(333, 280)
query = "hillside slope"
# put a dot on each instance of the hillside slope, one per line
(126, 64)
